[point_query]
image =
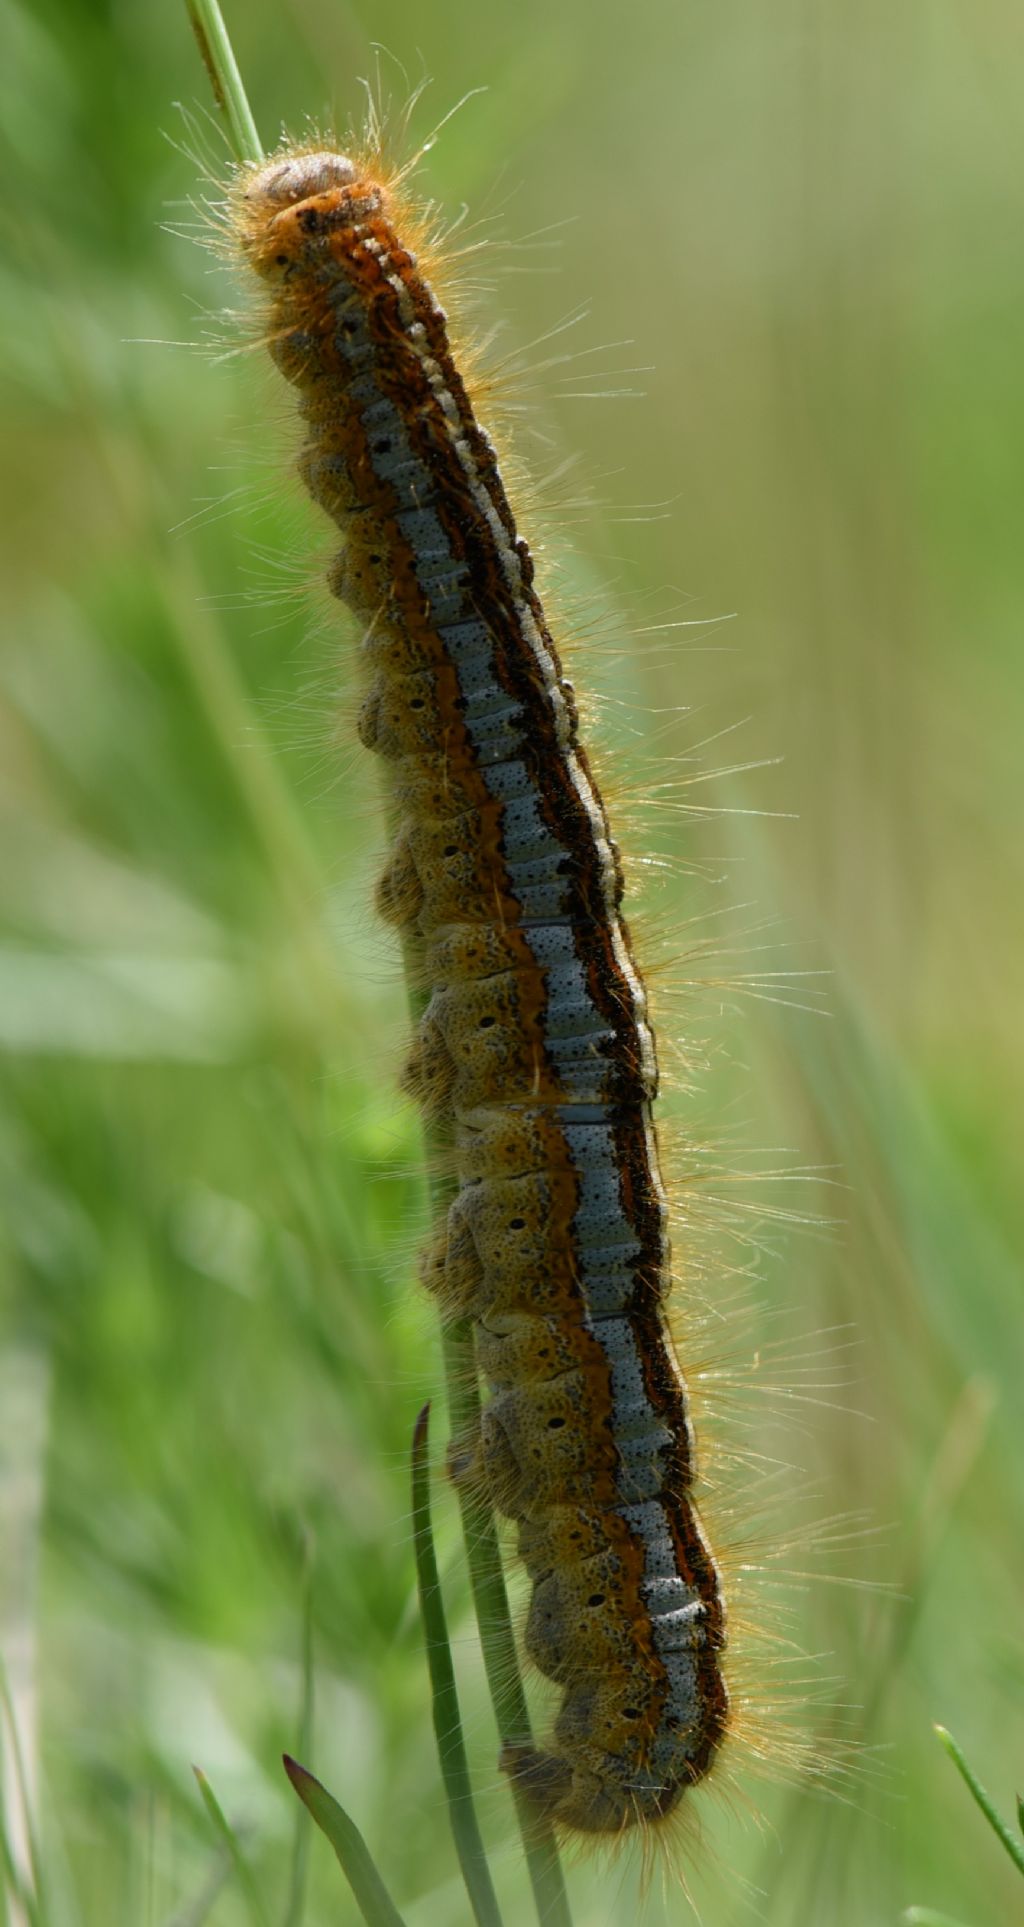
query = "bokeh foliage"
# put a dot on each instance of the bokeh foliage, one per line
(805, 218)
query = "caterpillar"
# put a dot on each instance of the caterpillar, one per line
(536, 1042)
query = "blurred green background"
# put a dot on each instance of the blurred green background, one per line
(804, 221)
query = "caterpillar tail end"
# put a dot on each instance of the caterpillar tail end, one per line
(571, 1797)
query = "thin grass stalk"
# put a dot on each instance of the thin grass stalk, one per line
(1014, 1847)
(300, 1843)
(451, 1746)
(7, 1892)
(479, 1529)
(353, 1855)
(227, 1834)
(196, 1912)
(27, 1888)
(218, 57)
(14, 1888)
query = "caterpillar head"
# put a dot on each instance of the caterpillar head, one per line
(290, 207)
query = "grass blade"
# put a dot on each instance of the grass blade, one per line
(6, 1866)
(196, 1911)
(497, 1639)
(927, 1917)
(13, 1887)
(230, 1839)
(26, 1887)
(372, 1897)
(995, 1819)
(447, 1723)
(300, 1844)
(479, 1530)
(218, 58)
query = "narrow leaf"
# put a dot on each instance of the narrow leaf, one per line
(228, 91)
(25, 1888)
(372, 1897)
(195, 1912)
(447, 1721)
(479, 1529)
(995, 1819)
(230, 1839)
(300, 1843)
(14, 1887)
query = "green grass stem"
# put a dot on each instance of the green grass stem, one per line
(228, 92)
(984, 1800)
(497, 1639)
(196, 1912)
(300, 1845)
(354, 1857)
(479, 1529)
(230, 1839)
(447, 1721)
(14, 1887)
(27, 1889)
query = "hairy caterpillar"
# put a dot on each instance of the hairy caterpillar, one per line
(536, 1040)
